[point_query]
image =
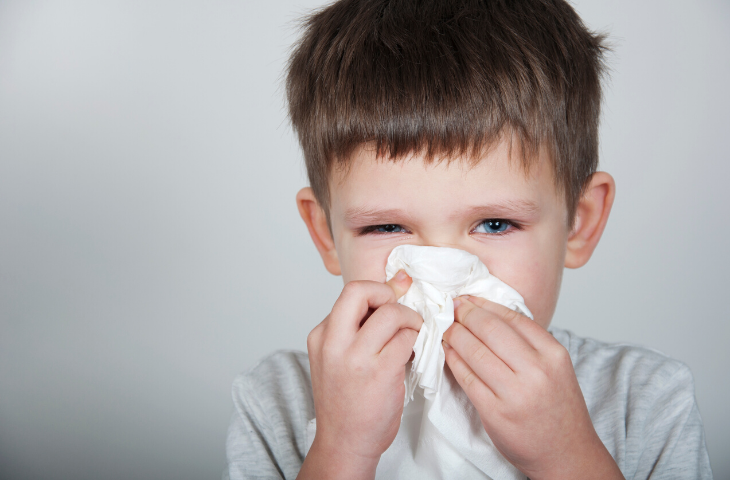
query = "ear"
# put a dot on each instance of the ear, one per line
(590, 219)
(316, 221)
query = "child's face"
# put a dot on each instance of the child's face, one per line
(450, 206)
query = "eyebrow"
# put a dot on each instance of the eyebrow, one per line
(362, 216)
(523, 209)
(505, 209)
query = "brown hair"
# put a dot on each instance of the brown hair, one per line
(447, 78)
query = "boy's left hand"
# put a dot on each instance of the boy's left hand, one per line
(522, 383)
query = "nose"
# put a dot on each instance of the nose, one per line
(444, 244)
(447, 244)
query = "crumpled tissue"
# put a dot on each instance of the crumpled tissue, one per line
(441, 435)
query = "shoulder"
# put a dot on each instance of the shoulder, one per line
(280, 378)
(624, 366)
(642, 405)
(272, 405)
(280, 367)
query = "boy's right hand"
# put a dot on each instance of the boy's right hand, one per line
(357, 365)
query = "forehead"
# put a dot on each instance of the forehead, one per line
(445, 187)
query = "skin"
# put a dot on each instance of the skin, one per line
(519, 378)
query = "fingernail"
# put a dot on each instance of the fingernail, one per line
(400, 276)
(457, 302)
(446, 345)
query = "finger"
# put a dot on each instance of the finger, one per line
(497, 334)
(358, 299)
(383, 324)
(481, 360)
(477, 391)
(530, 330)
(400, 283)
(314, 340)
(399, 348)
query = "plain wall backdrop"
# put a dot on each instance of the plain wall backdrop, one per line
(150, 247)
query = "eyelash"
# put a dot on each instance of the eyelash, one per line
(372, 229)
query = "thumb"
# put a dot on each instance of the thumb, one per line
(400, 283)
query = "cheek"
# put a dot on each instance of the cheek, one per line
(359, 262)
(535, 272)
(540, 287)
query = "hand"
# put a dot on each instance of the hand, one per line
(358, 369)
(522, 383)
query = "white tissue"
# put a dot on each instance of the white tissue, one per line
(439, 275)
(441, 435)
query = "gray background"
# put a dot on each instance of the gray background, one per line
(150, 247)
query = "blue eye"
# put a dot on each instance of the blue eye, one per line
(494, 226)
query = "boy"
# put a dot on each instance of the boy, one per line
(471, 125)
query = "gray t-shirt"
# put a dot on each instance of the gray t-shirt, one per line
(641, 402)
